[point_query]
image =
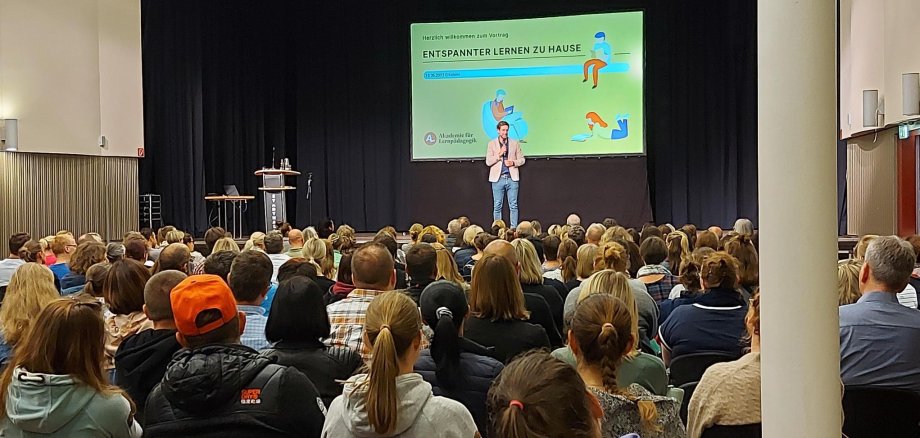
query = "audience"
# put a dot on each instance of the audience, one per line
(729, 392)
(296, 327)
(455, 366)
(63, 247)
(373, 272)
(391, 399)
(540, 396)
(657, 278)
(296, 240)
(715, 321)
(551, 263)
(195, 257)
(577, 262)
(707, 239)
(532, 281)
(602, 334)
(744, 227)
(175, 257)
(848, 281)
(124, 296)
(249, 279)
(95, 281)
(447, 267)
(211, 236)
(498, 318)
(453, 238)
(540, 311)
(86, 255)
(422, 268)
(29, 291)
(217, 387)
(687, 291)
(480, 242)
(274, 247)
(389, 243)
(869, 355)
(225, 244)
(55, 384)
(9, 265)
(742, 249)
(678, 251)
(467, 249)
(344, 283)
(142, 357)
(219, 263)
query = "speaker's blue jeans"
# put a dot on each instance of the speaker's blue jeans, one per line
(500, 188)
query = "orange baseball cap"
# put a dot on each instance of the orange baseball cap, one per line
(198, 293)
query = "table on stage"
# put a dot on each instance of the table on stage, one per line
(236, 206)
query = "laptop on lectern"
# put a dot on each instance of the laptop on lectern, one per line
(230, 190)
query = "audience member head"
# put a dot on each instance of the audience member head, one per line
(314, 250)
(212, 236)
(690, 275)
(31, 252)
(707, 239)
(633, 234)
(175, 257)
(16, 242)
(482, 240)
(716, 230)
(537, 229)
(444, 308)
(372, 267)
(256, 241)
(888, 264)
(498, 228)
(342, 243)
(63, 246)
(752, 321)
(576, 233)
(609, 222)
(678, 250)
(163, 231)
(225, 244)
(719, 270)
(616, 284)
(325, 227)
(635, 257)
(524, 230)
(64, 339)
(602, 334)
(653, 251)
(848, 281)
(150, 237)
(555, 230)
(464, 221)
(742, 249)
(90, 237)
(859, 251)
(205, 312)
(469, 234)
(393, 330)
(219, 263)
(665, 229)
(567, 254)
(95, 279)
(447, 266)
(298, 313)
(274, 242)
(454, 227)
(297, 268)
(585, 258)
(174, 236)
(343, 274)
(136, 250)
(495, 292)
(526, 399)
(551, 248)
(284, 228)
(389, 231)
(250, 277)
(505, 249)
(295, 238)
(690, 231)
(114, 252)
(156, 295)
(573, 220)
(744, 227)
(914, 241)
(86, 255)
(310, 233)
(123, 288)
(594, 233)
(649, 231)
(415, 232)
(611, 255)
(31, 288)
(531, 269)
(390, 244)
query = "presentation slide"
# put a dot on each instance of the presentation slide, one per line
(567, 86)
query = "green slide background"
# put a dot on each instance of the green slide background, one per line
(554, 107)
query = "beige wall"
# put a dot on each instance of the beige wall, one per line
(70, 71)
(878, 42)
(871, 184)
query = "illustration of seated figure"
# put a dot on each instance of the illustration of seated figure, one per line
(494, 110)
(601, 129)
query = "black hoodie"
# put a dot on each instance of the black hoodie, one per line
(141, 361)
(228, 390)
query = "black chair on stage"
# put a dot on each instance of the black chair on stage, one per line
(740, 431)
(690, 367)
(874, 412)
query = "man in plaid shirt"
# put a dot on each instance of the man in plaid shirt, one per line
(373, 273)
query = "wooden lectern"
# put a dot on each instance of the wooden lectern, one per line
(273, 190)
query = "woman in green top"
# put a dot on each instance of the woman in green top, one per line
(637, 367)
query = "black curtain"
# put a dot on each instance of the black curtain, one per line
(327, 85)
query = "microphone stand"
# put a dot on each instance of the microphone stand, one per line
(310, 198)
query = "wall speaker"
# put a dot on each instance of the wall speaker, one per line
(910, 92)
(9, 134)
(870, 108)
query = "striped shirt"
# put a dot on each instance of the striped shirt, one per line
(347, 318)
(254, 331)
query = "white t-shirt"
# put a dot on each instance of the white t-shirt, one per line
(908, 297)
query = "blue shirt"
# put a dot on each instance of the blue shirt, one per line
(60, 270)
(269, 297)
(504, 157)
(880, 343)
(254, 332)
(713, 323)
(604, 49)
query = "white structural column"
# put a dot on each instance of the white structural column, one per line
(797, 107)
